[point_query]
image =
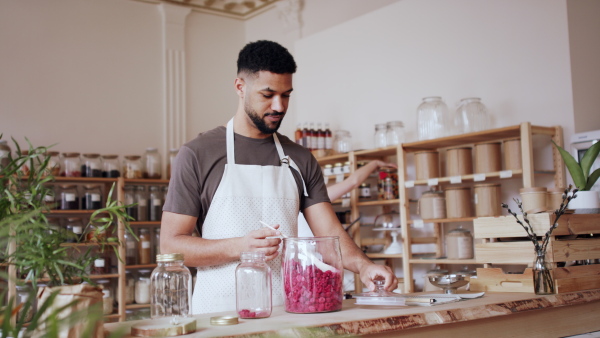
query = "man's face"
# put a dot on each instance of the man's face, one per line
(266, 99)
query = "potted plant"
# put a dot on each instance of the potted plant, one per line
(35, 249)
(587, 201)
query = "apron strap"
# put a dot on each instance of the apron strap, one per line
(288, 160)
(229, 141)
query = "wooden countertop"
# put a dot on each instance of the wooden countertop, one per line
(579, 311)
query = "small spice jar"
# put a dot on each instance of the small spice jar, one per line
(141, 198)
(364, 191)
(94, 234)
(152, 164)
(328, 170)
(92, 197)
(74, 227)
(69, 198)
(142, 287)
(156, 242)
(4, 154)
(459, 244)
(129, 287)
(346, 167)
(432, 205)
(108, 296)
(91, 165)
(427, 164)
(338, 168)
(388, 183)
(50, 198)
(155, 203)
(130, 208)
(132, 166)
(101, 265)
(22, 297)
(144, 247)
(533, 199)
(110, 166)
(71, 165)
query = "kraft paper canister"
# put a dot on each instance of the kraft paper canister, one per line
(533, 199)
(487, 200)
(432, 205)
(512, 154)
(458, 202)
(427, 164)
(487, 157)
(554, 198)
(459, 161)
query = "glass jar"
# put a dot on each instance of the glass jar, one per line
(156, 242)
(92, 197)
(4, 154)
(71, 165)
(253, 286)
(394, 133)
(144, 247)
(459, 244)
(74, 227)
(142, 287)
(129, 287)
(164, 190)
(53, 165)
(108, 295)
(472, 115)
(380, 135)
(69, 198)
(91, 165)
(130, 208)
(342, 141)
(388, 183)
(312, 274)
(130, 249)
(94, 234)
(328, 170)
(101, 265)
(152, 164)
(50, 198)
(23, 295)
(141, 199)
(433, 119)
(364, 191)
(132, 166)
(110, 166)
(172, 154)
(155, 204)
(171, 287)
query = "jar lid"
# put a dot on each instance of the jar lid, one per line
(132, 157)
(73, 219)
(533, 189)
(102, 281)
(52, 153)
(24, 152)
(110, 157)
(365, 185)
(459, 231)
(69, 155)
(388, 169)
(91, 186)
(67, 186)
(91, 155)
(144, 271)
(224, 320)
(347, 163)
(339, 164)
(139, 187)
(172, 257)
(154, 188)
(395, 123)
(151, 149)
(327, 166)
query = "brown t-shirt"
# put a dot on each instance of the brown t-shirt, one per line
(199, 166)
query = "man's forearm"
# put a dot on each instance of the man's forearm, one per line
(198, 251)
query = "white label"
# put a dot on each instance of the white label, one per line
(99, 263)
(455, 179)
(479, 177)
(146, 245)
(338, 170)
(365, 192)
(345, 203)
(346, 169)
(418, 223)
(77, 229)
(157, 201)
(339, 178)
(49, 198)
(475, 198)
(409, 184)
(95, 197)
(432, 181)
(142, 202)
(328, 171)
(506, 173)
(328, 142)
(106, 293)
(70, 197)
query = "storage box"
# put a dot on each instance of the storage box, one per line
(505, 242)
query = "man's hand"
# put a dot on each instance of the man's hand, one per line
(263, 239)
(372, 271)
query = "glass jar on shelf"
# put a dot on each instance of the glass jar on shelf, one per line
(170, 287)
(130, 208)
(164, 190)
(92, 197)
(74, 227)
(394, 133)
(152, 164)
(50, 198)
(129, 287)
(172, 154)
(23, 295)
(155, 203)
(4, 154)
(142, 287)
(71, 165)
(156, 242)
(130, 249)
(53, 165)
(144, 247)
(141, 198)
(110, 166)
(108, 295)
(472, 115)
(253, 286)
(94, 233)
(69, 198)
(133, 167)
(433, 119)
(380, 135)
(91, 165)
(342, 141)
(101, 264)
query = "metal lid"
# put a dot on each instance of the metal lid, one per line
(172, 257)
(388, 169)
(328, 166)
(339, 164)
(224, 320)
(52, 153)
(365, 185)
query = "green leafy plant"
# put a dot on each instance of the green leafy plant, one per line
(580, 171)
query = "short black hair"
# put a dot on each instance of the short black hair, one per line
(265, 55)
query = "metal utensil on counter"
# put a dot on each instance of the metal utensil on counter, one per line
(449, 283)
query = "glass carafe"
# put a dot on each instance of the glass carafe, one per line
(312, 269)
(380, 135)
(253, 286)
(171, 287)
(433, 119)
(472, 115)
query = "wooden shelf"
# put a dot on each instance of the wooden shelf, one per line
(112, 316)
(70, 212)
(382, 255)
(86, 180)
(104, 276)
(331, 159)
(145, 181)
(441, 261)
(140, 223)
(86, 244)
(141, 266)
(376, 153)
(137, 306)
(444, 220)
(378, 203)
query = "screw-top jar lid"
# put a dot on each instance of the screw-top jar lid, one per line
(140, 188)
(252, 255)
(388, 169)
(151, 149)
(67, 186)
(91, 186)
(327, 166)
(110, 156)
(365, 185)
(339, 164)
(52, 153)
(224, 320)
(69, 155)
(459, 231)
(132, 157)
(91, 155)
(172, 257)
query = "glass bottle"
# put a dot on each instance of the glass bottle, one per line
(298, 134)
(472, 115)
(433, 119)
(253, 286)
(130, 249)
(152, 164)
(92, 197)
(74, 227)
(4, 154)
(342, 142)
(110, 166)
(380, 137)
(91, 165)
(144, 247)
(141, 199)
(132, 167)
(394, 133)
(132, 210)
(22, 297)
(320, 136)
(142, 287)
(171, 287)
(69, 198)
(154, 204)
(328, 138)
(71, 165)
(172, 154)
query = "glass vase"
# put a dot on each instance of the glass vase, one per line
(543, 282)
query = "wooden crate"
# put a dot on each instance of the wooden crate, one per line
(504, 242)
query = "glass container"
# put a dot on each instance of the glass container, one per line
(253, 286)
(364, 191)
(152, 164)
(110, 166)
(433, 119)
(74, 227)
(129, 287)
(53, 165)
(132, 166)
(69, 198)
(22, 297)
(155, 204)
(144, 247)
(71, 165)
(142, 287)
(172, 154)
(171, 287)
(132, 210)
(130, 249)
(91, 165)
(4, 154)
(394, 133)
(141, 198)
(312, 274)
(50, 198)
(92, 197)
(94, 234)
(101, 264)
(108, 295)
(472, 115)
(388, 183)
(164, 190)
(380, 135)
(342, 141)
(156, 242)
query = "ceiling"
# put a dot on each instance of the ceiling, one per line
(241, 9)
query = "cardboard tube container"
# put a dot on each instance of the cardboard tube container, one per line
(459, 161)
(512, 154)
(533, 199)
(487, 157)
(487, 200)
(427, 164)
(458, 202)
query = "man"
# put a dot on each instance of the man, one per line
(228, 179)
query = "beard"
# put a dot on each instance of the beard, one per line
(260, 123)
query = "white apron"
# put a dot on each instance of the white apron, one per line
(246, 195)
